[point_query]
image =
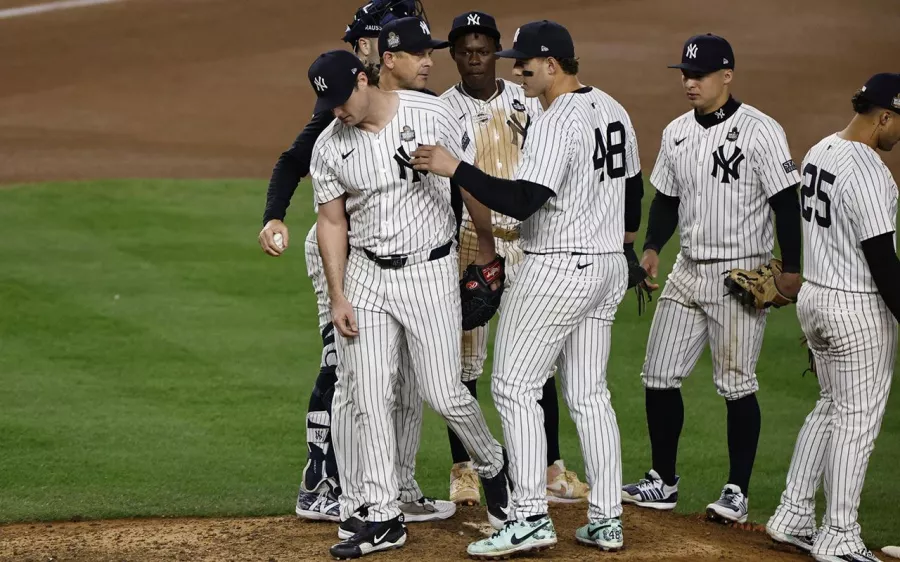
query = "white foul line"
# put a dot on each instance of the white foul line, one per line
(49, 7)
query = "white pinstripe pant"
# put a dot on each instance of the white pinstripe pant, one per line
(407, 414)
(693, 309)
(417, 305)
(554, 310)
(853, 337)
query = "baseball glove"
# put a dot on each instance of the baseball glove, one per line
(479, 301)
(756, 288)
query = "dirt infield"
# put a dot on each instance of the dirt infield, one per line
(649, 536)
(218, 88)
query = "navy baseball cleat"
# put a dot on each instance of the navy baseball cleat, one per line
(374, 537)
(496, 494)
(651, 492)
(321, 504)
(356, 523)
(731, 507)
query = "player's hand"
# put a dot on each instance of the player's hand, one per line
(788, 284)
(267, 237)
(650, 263)
(343, 318)
(435, 159)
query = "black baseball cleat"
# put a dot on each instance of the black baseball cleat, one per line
(356, 523)
(496, 494)
(374, 537)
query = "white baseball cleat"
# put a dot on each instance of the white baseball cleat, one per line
(563, 486)
(526, 535)
(803, 542)
(864, 555)
(731, 507)
(651, 492)
(465, 488)
(427, 509)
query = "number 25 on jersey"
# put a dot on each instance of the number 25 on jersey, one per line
(816, 184)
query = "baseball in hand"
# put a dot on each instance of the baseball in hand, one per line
(279, 240)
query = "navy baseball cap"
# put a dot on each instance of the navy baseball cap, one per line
(370, 18)
(333, 77)
(705, 54)
(883, 90)
(410, 35)
(474, 22)
(540, 39)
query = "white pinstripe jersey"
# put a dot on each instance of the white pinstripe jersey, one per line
(583, 148)
(393, 209)
(848, 196)
(724, 177)
(498, 127)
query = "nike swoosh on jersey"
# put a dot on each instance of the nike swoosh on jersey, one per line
(582, 266)
(679, 141)
(345, 156)
(516, 539)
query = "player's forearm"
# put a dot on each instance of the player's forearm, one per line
(484, 230)
(634, 193)
(292, 166)
(885, 268)
(661, 222)
(517, 199)
(786, 206)
(331, 233)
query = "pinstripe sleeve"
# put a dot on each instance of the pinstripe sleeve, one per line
(632, 157)
(326, 185)
(663, 176)
(546, 154)
(868, 199)
(772, 159)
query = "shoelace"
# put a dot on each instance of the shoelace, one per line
(646, 484)
(469, 479)
(732, 498)
(505, 526)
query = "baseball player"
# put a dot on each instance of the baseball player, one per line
(497, 116)
(579, 173)
(318, 498)
(848, 309)
(723, 170)
(393, 277)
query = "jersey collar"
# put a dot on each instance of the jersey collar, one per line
(718, 116)
(501, 85)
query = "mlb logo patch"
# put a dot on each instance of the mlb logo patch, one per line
(465, 141)
(518, 106)
(789, 166)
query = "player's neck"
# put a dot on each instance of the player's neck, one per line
(483, 94)
(382, 109)
(387, 82)
(861, 130)
(566, 84)
(716, 104)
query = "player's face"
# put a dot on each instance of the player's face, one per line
(533, 76)
(890, 131)
(704, 91)
(355, 108)
(475, 60)
(412, 69)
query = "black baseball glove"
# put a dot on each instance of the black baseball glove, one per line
(636, 277)
(479, 301)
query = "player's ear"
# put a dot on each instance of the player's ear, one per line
(387, 60)
(727, 75)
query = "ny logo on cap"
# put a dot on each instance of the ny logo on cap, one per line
(320, 84)
(516, 36)
(474, 19)
(424, 27)
(691, 51)
(896, 102)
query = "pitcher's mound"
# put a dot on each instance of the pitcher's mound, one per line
(649, 535)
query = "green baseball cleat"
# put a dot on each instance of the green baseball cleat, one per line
(528, 535)
(605, 534)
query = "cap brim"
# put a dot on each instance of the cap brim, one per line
(460, 31)
(694, 68)
(431, 44)
(513, 54)
(435, 44)
(327, 104)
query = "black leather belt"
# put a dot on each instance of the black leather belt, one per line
(397, 261)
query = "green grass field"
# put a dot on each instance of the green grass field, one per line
(153, 361)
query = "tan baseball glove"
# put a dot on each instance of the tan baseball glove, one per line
(757, 288)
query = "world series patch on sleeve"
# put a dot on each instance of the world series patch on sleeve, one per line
(479, 301)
